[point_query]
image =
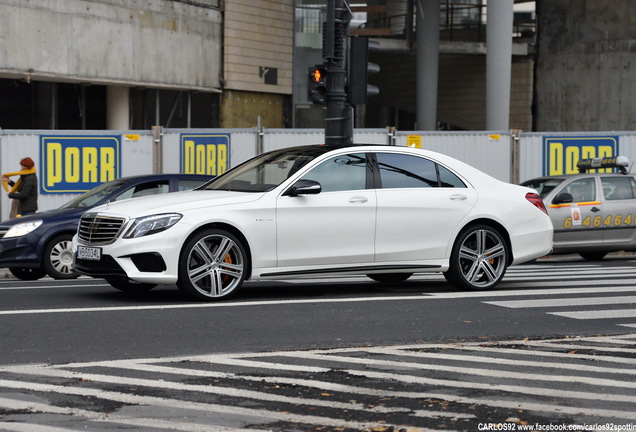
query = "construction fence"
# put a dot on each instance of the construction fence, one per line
(69, 163)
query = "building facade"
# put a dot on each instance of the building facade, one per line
(257, 63)
(134, 64)
(586, 64)
(120, 64)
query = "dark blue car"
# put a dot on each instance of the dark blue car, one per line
(40, 244)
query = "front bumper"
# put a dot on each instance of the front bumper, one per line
(20, 252)
(152, 259)
(107, 266)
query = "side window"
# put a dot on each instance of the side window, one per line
(145, 189)
(406, 171)
(448, 179)
(124, 195)
(340, 173)
(582, 189)
(189, 184)
(618, 188)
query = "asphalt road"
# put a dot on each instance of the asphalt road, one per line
(93, 327)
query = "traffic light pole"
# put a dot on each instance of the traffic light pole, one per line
(338, 120)
(335, 84)
(339, 116)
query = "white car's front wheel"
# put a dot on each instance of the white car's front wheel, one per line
(212, 265)
(479, 259)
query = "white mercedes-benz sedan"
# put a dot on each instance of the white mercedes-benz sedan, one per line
(382, 211)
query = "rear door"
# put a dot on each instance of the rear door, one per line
(420, 204)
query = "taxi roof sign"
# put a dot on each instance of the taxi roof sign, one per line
(620, 162)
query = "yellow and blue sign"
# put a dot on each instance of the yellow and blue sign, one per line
(72, 164)
(561, 154)
(207, 154)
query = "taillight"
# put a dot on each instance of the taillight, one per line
(536, 200)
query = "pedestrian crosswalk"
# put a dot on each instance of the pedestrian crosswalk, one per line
(560, 383)
(577, 290)
(523, 383)
(596, 291)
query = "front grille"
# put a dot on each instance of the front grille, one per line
(3, 231)
(95, 229)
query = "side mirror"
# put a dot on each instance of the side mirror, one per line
(563, 198)
(304, 187)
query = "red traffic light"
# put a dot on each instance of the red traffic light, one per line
(317, 85)
(317, 75)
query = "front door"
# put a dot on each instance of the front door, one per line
(579, 223)
(333, 227)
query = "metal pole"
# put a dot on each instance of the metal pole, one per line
(427, 34)
(157, 154)
(157, 110)
(54, 119)
(189, 118)
(498, 63)
(338, 119)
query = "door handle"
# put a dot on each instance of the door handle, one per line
(460, 197)
(595, 209)
(358, 199)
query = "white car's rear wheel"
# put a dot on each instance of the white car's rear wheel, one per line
(479, 259)
(212, 265)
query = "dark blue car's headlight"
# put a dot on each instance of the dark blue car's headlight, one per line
(22, 229)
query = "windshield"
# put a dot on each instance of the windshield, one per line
(95, 195)
(265, 172)
(543, 186)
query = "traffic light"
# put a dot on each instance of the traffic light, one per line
(359, 70)
(317, 85)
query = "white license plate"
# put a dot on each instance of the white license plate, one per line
(89, 253)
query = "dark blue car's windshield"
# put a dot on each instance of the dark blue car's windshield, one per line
(95, 195)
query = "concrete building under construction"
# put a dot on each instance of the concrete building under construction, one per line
(134, 64)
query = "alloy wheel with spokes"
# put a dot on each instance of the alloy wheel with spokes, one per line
(479, 259)
(212, 265)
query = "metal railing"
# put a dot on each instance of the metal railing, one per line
(459, 22)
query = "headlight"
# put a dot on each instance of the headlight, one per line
(22, 228)
(152, 224)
